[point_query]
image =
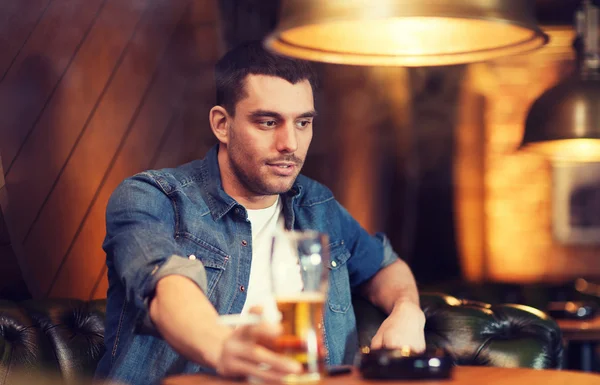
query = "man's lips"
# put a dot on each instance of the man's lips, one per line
(283, 168)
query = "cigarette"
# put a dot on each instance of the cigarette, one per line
(239, 319)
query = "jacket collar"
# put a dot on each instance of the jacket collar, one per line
(220, 203)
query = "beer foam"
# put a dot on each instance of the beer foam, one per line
(301, 297)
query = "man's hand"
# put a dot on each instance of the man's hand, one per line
(403, 327)
(237, 352)
(245, 353)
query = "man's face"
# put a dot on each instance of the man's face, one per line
(270, 134)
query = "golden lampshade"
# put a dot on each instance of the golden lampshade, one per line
(563, 124)
(405, 32)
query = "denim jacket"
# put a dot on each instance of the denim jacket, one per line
(181, 221)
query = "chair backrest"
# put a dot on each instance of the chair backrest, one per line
(66, 336)
(476, 333)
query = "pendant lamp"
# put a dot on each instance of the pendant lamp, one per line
(405, 32)
(564, 123)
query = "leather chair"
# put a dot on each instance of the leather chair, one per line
(479, 334)
(65, 337)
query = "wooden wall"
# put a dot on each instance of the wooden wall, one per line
(11, 281)
(93, 91)
(504, 197)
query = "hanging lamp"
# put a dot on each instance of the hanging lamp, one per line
(564, 123)
(405, 32)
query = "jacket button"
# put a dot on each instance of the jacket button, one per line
(333, 264)
(244, 243)
(242, 288)
(192, 257)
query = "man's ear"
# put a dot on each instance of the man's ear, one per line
(219, 123)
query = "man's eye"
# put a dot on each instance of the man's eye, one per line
(269, 123)
(303, 123)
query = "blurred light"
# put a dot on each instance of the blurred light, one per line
(315, 259)
(571, 150)
(435, 362)
(405, 32)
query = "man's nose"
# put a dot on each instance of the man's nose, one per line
(287, 141)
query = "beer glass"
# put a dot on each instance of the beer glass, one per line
(299, 281)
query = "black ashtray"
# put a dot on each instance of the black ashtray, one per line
(404, 364)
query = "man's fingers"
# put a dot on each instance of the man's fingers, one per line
(266, 333)
(263, 332)
(258, 355)
(420, 346)
(394, 341)
(256, 309)
(248, 359)
(377, 341)
(261, 355)
(240, 368)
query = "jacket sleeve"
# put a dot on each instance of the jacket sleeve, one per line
(369, 253)
(141, 223)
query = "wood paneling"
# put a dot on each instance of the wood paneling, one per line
(36, 74)
(97, 143)
(10, 273)
(100, 90)
(19, 19)
(150, 122)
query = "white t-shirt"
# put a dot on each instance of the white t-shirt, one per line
(265, 222)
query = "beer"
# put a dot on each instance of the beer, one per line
(299, 279)
(302, 337)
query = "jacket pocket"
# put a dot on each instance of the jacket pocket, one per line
(339, 297)
(212, 258)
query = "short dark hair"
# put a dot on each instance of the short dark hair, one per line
(251, 58)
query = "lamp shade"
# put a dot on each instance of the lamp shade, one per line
(564, 123)
(405, 32)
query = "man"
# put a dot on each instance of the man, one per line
(184, 245)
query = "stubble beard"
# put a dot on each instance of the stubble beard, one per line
(251, 179)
